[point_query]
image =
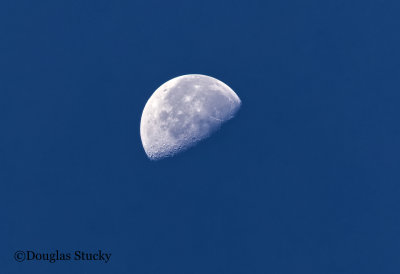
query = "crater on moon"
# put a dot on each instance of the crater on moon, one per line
(183, 111)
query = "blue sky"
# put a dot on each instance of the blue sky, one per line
(303, 180)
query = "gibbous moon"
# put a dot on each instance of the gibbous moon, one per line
(183, 111)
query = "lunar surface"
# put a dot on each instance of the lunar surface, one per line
(184, 111)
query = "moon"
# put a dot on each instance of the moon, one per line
(184, 111)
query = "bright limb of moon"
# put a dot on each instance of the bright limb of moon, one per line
(184, 111)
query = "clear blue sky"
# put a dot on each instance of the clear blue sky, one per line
(304, 180)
